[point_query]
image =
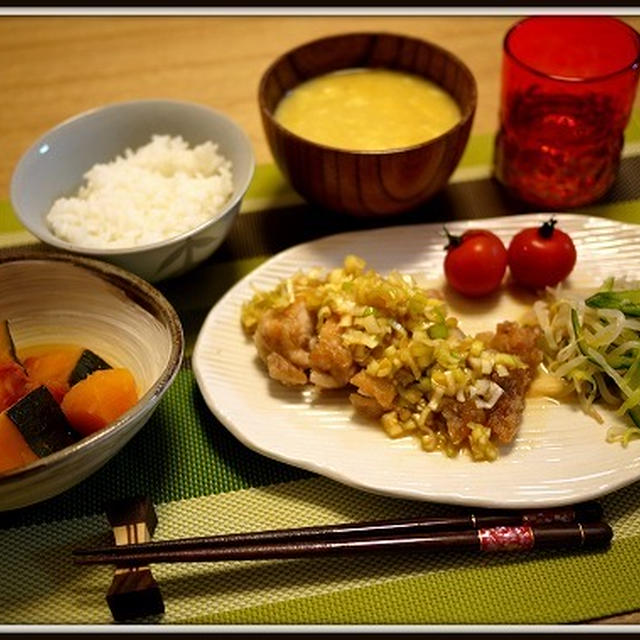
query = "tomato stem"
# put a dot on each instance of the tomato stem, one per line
(546, 230)
(452, 240)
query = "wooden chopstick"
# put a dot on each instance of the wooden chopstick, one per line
(345, 532)
(584, 512)
(572, 535)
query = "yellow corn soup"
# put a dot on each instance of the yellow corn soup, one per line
(368, 109)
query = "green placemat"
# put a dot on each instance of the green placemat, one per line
(205, 481)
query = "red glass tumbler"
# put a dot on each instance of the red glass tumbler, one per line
(568, 86)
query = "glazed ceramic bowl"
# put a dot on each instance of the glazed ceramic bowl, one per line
(64, 298)
(367, 183)
(55, 164)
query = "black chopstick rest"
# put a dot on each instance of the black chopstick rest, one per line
(129, 511)
(134, 592)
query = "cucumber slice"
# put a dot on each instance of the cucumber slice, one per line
(626, 301)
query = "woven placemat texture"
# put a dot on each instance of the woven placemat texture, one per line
(41, 585)
(204, 481)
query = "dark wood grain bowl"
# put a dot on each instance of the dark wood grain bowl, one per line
(367, 183)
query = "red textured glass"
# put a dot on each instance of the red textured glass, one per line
(568, 86)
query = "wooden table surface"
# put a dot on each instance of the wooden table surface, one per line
(53, 67)
(56, 66)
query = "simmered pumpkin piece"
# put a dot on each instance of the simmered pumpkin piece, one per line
(99, 399)
(41, 422)
(14, 450)
(87, 363)
(52, 367)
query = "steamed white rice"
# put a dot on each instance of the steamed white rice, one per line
(158, 191)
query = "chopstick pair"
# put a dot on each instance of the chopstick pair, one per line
(577, 526)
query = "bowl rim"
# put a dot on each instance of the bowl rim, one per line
(522, 24)
(145, 293)
(239, 193)
(467, 111)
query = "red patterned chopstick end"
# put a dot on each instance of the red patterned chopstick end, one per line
(506, 538)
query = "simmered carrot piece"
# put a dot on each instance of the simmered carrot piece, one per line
(13, 383)
(14, 450)
(52, 369)
(99, 399)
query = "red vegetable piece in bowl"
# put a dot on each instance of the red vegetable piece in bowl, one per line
(13, 384)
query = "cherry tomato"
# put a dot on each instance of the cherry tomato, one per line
(475, 262)
(541, 256)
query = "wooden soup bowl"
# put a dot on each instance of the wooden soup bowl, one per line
(367, 183)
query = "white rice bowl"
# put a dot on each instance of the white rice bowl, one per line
(156, 192)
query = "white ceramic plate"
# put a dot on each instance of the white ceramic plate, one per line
(560, 455)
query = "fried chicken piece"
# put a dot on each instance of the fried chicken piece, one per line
(457, 415)
(505, 416)
(381, 390)
(286, 332)
(324, 380)
(521, 341)
(284, 371)
(367, 407)
(331, 362)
